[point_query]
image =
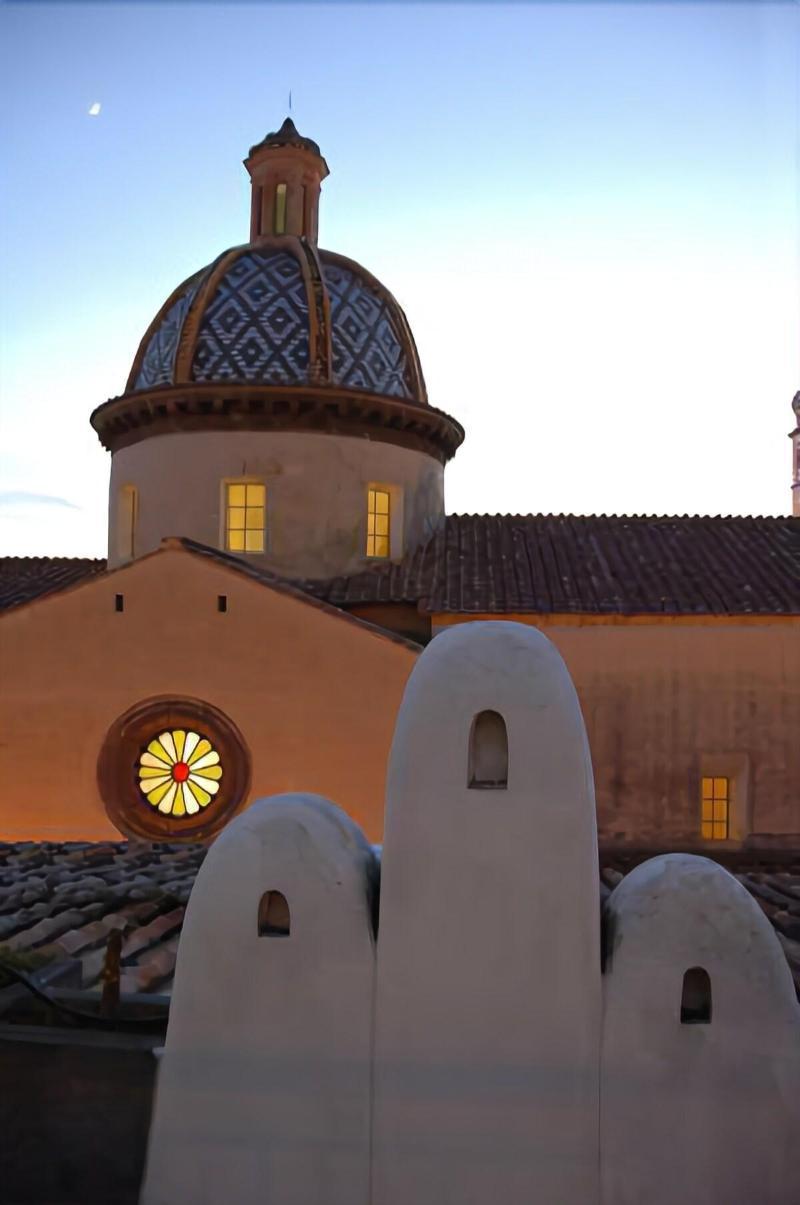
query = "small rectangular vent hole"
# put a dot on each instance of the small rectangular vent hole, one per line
(222, 602)
(119, 602)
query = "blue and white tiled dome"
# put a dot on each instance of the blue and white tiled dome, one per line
(281, 313)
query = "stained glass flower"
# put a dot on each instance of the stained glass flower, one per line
(179, 772)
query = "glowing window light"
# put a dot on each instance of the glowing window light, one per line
(245, 516)
(715, 802)
(280, 209)
(179, 772)
(378, 513)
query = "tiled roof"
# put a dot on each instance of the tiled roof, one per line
(23, 578)
(592, 564)
(63, 900)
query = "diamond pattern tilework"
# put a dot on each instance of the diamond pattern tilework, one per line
(255, 328)
(367, 350)
(158, 362)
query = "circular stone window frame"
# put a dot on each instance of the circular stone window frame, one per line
(118, 762)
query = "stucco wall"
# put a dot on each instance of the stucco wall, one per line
(316, 494)
(665, 702)
(313, 694)
(488, 988)
(264, 1088)
(703, 1113)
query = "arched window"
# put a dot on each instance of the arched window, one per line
(488, 752)
(696, 997)
(280, 209)
(273, 915)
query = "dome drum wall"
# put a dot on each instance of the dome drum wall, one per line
(316, 494)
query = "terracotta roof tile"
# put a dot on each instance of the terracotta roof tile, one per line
(151, 925)
(23, 578)
(590, 564)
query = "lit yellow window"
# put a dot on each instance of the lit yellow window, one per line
(377, 522)
(245, 516)
(280, 209)
(716, 801)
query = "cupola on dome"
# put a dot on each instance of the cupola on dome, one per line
(278, 333)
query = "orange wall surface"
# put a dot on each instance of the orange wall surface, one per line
(666, 701)
(314, 694)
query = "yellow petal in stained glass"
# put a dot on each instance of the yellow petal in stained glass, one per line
(153, 772)
(188, 800)
(157, 793)
(202, 797)
(166, 803)
(207, 759)
(168, 744)
(207, 784)
(158, 753)
(191, 744)
(202, 747)
(214, 772)
(165, 764)
(148, 785)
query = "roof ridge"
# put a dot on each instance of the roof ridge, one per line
(38, 560)
(615, 515)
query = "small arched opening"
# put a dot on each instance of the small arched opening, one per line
(696, 997)
(273, 915)
(488, 752)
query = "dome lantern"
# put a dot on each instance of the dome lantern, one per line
(286, 171)
(276, 406)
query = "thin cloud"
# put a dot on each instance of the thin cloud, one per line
(24, 498)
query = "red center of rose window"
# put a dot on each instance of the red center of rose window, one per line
(180, 771)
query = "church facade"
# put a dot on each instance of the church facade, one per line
(279, 553)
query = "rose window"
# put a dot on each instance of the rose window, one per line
(179, 772)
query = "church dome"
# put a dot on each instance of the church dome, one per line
(281, 313)
(280, 335)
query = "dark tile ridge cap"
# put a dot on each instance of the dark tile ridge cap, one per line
(99, 561)
(641, 517)
(266, 577)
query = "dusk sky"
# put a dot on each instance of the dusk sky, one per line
(588, 212)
